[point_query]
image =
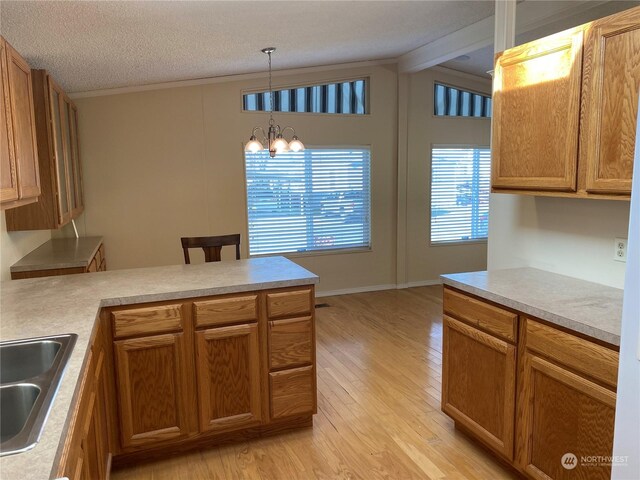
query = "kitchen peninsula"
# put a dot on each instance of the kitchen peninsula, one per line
(163, 329)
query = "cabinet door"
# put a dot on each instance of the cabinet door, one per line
(9, 180)
(536, 109)
(228, 368)
(610, 101)
(56, 104)
(23, 124)
(97, 440)
(478, 384)
(78, 192)
(565, 418)
(152, 389)
(68, 137)
(92, 442)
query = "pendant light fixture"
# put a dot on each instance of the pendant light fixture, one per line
(274, 137)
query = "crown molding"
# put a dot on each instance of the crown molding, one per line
(229, 78)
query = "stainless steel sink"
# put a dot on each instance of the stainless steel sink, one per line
(17, 403)
(19, 361)
(30, 372)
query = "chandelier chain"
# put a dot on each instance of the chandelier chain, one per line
(270, 93)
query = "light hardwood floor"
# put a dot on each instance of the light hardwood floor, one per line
(379, 369)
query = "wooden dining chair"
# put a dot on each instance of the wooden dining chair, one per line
(212, 246)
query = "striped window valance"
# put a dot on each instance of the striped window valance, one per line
(455, 102)
(340, 98)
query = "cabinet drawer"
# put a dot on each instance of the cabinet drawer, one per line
(138, 321)
(286, 304)
(581, 355)
(222, 311)
(290, 342)
(491, 318)
(292, 392)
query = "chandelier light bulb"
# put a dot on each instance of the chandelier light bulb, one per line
(296, 145)
(253, 145)
(279, 144)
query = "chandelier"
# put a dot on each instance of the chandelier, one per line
(274, 137)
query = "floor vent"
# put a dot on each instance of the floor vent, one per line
(322, 305)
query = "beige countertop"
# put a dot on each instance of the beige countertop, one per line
(70, 304)
(59, 253)
(585, 307)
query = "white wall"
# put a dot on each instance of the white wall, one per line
(573, 237)
(164, 163)
(425, 262)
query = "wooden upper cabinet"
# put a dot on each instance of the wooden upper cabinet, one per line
(9, 179)
(228, 370)
(77, 198)
(536, 111)
(60, 170)
(60, 151)
(20, 182)
(611, 81)
(565, 110)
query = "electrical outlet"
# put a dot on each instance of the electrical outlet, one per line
(620, 250)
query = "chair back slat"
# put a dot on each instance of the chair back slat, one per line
(212, 246)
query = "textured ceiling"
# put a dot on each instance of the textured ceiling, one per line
(105, 44)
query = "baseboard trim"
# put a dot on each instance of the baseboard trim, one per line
(377, 288)
(346, 291)
(420, 283)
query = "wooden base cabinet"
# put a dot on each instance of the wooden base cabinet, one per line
(223, 364)
(152, 389)
(566, 404)
(97, 264)
(228, 369)
(478, 386)
(564, 413)
(87, 452)
(545, 403)
(178, 375)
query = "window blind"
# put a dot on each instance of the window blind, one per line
(460, 182)
(455, 102)
(317, 199)
(343, 97)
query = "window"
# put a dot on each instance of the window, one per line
(459, 193)
(317, 199)
(342, 97)
(455, 102)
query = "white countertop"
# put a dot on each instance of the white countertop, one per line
(59, 253)
(70, 304)
(585, 307)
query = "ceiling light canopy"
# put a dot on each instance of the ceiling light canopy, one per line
(274, 137)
